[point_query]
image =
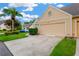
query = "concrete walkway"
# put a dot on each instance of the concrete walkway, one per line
(37, 45)
(4, 50)
(77, 47)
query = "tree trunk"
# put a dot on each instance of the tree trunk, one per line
(12, 18)
(12, 25)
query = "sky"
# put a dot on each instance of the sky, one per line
(29, 10)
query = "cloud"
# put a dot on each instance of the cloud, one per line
(26, 17)
(29, 16)
(24, 14)
(23, 19)
(55, 3)
(5, 7)
(29, 6)
(28, 9)
(60, 5)
(47, 3)
(34, 16)
(15, 4)
(1, 12)
(22, 4)
(5, 18)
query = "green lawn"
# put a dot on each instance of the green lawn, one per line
(12, 37)
(66, 47)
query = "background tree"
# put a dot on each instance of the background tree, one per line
(17, 24)
(13, 13)
(30, 22)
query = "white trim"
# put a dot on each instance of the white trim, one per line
(60, 10)
(34, 23)
(55, 19)
(59, 18)
(65, 27)
(75, 28)
(71, 25)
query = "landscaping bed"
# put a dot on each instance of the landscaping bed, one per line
(12, 37)
(67, 47)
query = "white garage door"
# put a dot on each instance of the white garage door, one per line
(57, 29)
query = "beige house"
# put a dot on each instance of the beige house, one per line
(56, 22)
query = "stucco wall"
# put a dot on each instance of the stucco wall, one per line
(56, 17)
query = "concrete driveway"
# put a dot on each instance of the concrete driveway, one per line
(38, 45)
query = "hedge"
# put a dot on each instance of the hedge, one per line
(33, 31)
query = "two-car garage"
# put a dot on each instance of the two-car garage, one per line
(53, 29)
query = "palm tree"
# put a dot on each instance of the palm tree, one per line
(13, 13)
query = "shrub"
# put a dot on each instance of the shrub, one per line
(15, 32)
(33, 31)
(4, 29)
(69, 37)
(0, 30)
(10, 33)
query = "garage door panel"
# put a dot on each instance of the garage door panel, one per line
(53, 29)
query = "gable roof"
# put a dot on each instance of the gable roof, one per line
(50, 6)
(59, 10)
(73, 9)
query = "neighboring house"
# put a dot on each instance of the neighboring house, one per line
(26, 26)
(3, 26)
(58, 23)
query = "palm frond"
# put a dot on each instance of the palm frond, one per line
(19, 14)
(7, 11)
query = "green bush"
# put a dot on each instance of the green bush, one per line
(15, 32)
(33, 31)
(0, 30)
(4, 29)
(10, 33)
